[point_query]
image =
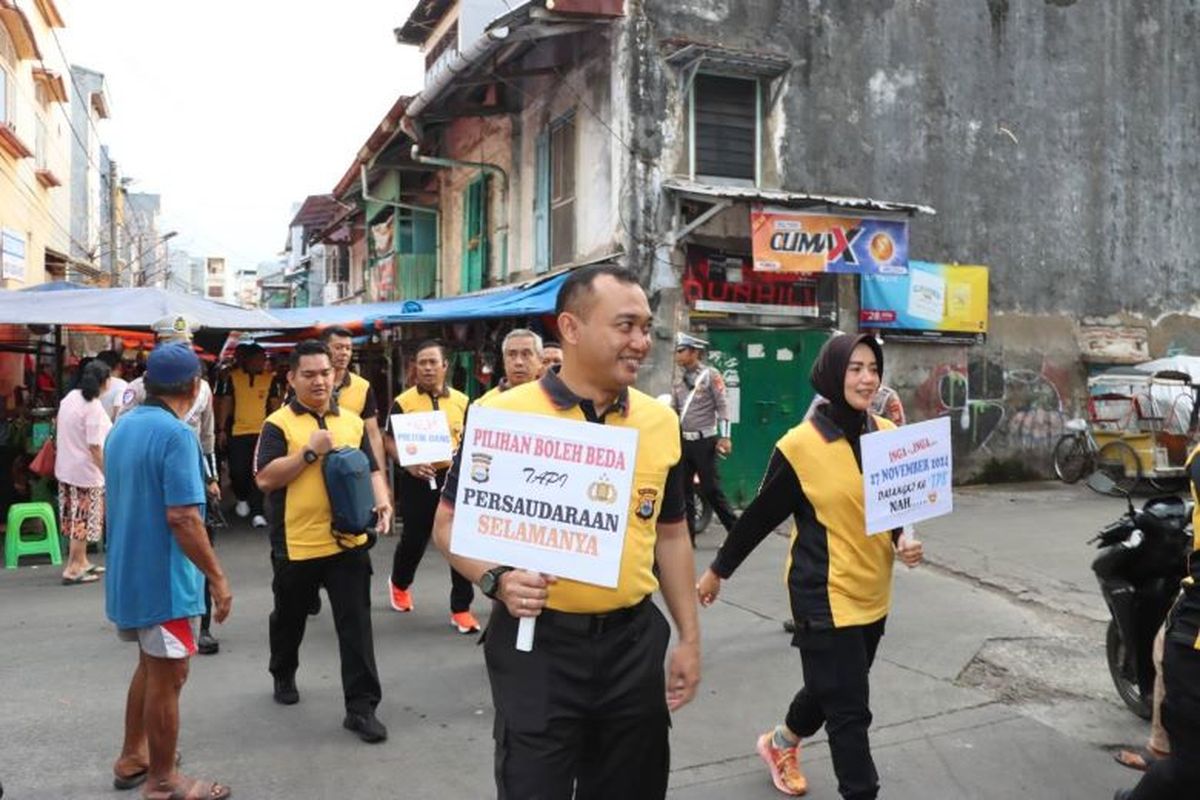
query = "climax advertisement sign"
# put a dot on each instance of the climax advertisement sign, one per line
(790, 241)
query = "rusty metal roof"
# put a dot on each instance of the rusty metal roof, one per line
(788, 198)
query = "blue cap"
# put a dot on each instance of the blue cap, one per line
(170, 364)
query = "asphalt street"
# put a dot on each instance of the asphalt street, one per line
(990, 682)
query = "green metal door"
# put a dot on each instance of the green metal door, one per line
(766, 372)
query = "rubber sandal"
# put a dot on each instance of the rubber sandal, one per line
(83, 577)
(1136, 758)
(96, 569)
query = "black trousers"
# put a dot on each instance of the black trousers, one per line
(241, 471)
(700, 458)
(206, 619)
(837, 694)
(418, 505)
(1177, 776)
(583, 714)
(347, 580)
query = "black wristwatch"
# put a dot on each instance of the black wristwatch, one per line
(310, 456)
(489, 582)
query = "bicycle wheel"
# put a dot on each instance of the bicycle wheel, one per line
(1121, 464)
(1070, 457)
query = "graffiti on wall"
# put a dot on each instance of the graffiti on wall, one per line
(998, 410)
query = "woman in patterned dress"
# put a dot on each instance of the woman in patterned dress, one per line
(81, 428)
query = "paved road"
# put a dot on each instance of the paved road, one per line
(990, 682)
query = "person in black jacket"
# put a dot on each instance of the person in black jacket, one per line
(839, 574)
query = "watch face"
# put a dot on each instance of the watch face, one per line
(487, 584)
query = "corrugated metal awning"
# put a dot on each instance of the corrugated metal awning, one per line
(780, 197)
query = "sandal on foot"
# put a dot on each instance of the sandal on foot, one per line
(189, 789)
(83, 577)
(1138, 758)
(136, 779)
(96, 569)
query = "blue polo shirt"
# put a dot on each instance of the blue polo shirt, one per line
(151, 461)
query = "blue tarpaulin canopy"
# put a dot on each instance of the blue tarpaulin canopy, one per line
(526, 300)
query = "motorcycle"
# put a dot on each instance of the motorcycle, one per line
(1142, 559)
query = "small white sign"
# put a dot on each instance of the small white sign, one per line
(906, 474)
(545, 494)
(755, 350)
(784, 354)
(422, 437)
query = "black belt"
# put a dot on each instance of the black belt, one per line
(594, 624)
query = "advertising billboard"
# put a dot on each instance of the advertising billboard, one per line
(792, 241)
(930, 301)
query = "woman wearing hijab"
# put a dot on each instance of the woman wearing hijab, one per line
(838, 575)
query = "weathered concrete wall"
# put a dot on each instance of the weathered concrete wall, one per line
(584, 89)
(483, 140)
(1007, 401)
(1056, 138)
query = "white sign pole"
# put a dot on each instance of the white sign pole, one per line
(525, 633)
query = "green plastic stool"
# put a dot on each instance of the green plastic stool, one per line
(46, 543)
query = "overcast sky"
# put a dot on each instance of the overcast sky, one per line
(233, 110)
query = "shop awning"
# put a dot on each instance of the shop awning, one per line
(753, 194)
(128, 308)
(525, 300)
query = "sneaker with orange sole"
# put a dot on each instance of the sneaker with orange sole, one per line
(784, 764)
(401, 598)
(465, 622)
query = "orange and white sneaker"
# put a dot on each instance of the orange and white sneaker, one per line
(465, 622)
(401, 598)
(784, 764)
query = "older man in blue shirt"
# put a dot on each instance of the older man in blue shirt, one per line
(158, 557)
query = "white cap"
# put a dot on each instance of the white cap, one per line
(174, 326)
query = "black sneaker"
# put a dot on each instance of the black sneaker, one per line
(286, 693)
(368, 728)
(207, 645)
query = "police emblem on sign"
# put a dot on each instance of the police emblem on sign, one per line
(481, 463)
(646, 501)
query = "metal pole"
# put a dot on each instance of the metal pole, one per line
(113, 194)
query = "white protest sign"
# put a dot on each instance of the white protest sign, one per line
(422, 437)
(544, 494)
(906, 474)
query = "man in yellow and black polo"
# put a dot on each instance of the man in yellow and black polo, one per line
(245, 396)
(521, 351)
(353, 392)
(419, 486)
(306, 552)
(586, 712)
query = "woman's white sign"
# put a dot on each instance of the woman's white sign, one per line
(906, 474)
